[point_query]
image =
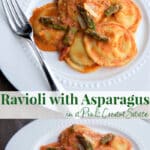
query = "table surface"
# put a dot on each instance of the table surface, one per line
(5, 85)
(8, 128)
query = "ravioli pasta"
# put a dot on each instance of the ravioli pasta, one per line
(88, 34)
(119, 51)
(80, 137)
(45, 38)
(78, 58)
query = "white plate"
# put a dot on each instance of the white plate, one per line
(20, 67)
(42, 132)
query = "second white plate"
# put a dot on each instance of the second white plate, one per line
(42, 132)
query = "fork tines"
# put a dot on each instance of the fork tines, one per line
(14, 13)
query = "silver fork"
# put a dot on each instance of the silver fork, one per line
(20, 26)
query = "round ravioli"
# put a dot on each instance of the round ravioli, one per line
(118, 51)
(45, 38)
(78, 58)
(120, 143)
(96, 8)
(46, 10)
(129, 15)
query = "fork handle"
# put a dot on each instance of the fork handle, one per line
(54, 85)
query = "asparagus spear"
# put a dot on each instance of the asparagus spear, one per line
(81, 22)
(86, 17)
(112, 9)
(88, 24)
(80, 146)
(106, 139)
(52, 23)
(69, 36)
(84, 144)
(96, 36)
(67, 42)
